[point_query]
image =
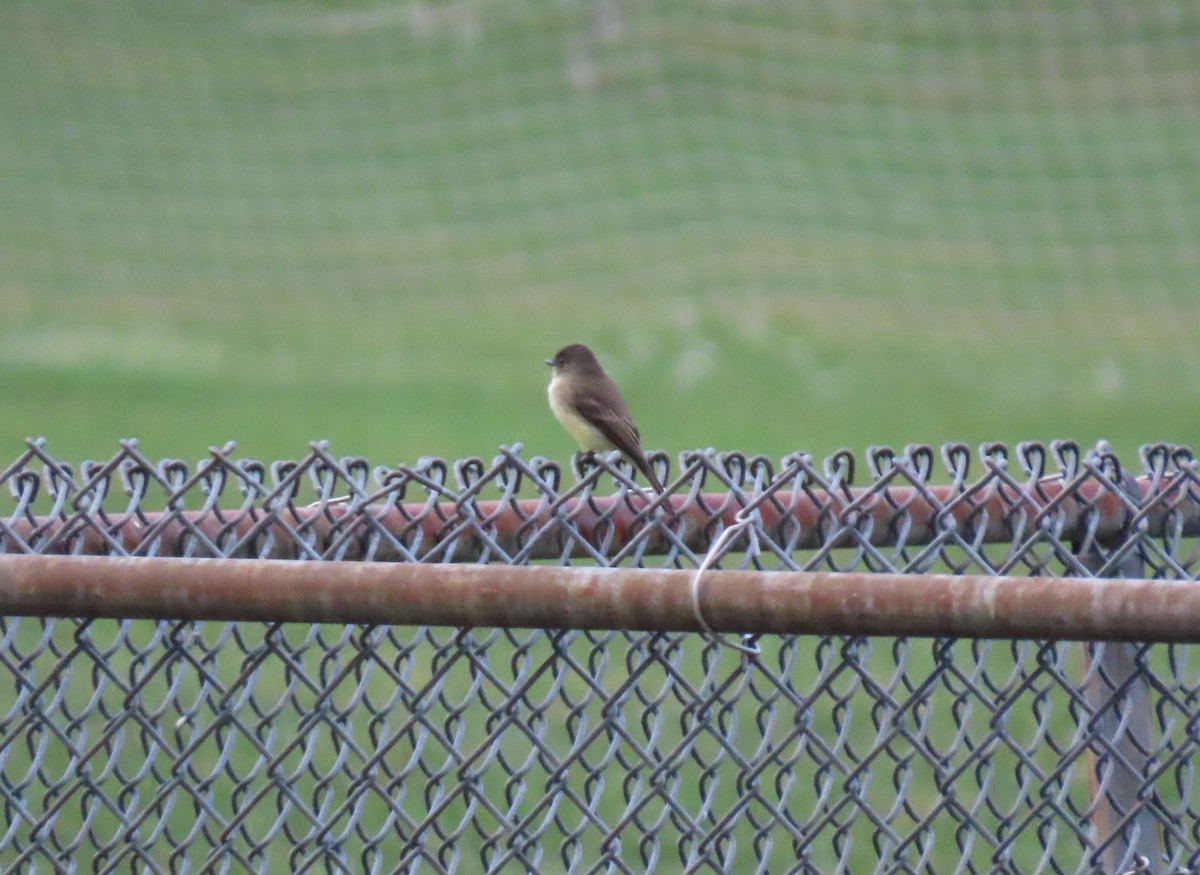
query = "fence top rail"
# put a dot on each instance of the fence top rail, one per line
(1033, 509)
(638, 599)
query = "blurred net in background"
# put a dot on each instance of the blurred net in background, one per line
(351, 147)
(334, 195)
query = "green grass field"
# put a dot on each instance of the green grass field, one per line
(830, 225)
(781, 230)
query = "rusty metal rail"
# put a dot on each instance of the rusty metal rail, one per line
(658, 600)
(529, 527)
(797, 507)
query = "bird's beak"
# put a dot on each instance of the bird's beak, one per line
(550, 362)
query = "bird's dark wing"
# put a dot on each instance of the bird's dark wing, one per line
(614, 422)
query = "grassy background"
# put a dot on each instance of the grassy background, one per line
(807, 227)
(781, 229)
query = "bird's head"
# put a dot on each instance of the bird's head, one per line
(575, 357)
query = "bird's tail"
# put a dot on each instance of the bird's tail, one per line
(644, 467)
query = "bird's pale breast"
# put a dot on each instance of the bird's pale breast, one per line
(588, 437)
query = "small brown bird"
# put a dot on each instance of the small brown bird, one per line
(590, 407)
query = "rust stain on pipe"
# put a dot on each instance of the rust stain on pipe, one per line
(613, 598)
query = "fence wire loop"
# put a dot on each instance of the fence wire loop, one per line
(743, 523)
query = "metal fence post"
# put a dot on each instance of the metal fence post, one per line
(1115, 688)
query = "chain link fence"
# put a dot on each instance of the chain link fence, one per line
(175, 745)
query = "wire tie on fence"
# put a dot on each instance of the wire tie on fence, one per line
(1141, 864)
(741, 522)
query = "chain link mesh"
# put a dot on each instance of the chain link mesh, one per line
(184, 746)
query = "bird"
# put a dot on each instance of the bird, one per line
(588, 404)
